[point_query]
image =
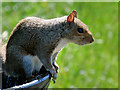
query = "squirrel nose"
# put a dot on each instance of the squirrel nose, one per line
(92, 40)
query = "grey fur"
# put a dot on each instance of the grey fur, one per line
(39, 37)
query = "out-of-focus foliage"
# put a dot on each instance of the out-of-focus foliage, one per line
(60, 0)
(88, 66)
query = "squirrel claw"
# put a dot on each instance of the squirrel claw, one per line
(54, 81)
(54, 75)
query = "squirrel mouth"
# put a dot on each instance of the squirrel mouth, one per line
(79, 43)
(82, 43)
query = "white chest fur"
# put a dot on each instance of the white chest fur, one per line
(62, 43)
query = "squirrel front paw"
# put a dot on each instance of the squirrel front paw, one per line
(53, 74)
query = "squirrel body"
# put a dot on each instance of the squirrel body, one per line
(35, 42)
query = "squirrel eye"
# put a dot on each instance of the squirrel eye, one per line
(80, 30)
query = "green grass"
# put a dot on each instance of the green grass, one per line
(89, 66)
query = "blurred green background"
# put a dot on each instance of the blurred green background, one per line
(89, 66)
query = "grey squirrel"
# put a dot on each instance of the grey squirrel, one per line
(35, 42)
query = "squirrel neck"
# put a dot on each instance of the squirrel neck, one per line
(57, 28)
(58, 25)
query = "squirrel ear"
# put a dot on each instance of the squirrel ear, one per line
(71, 16)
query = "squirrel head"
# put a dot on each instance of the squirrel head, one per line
(77, 31)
